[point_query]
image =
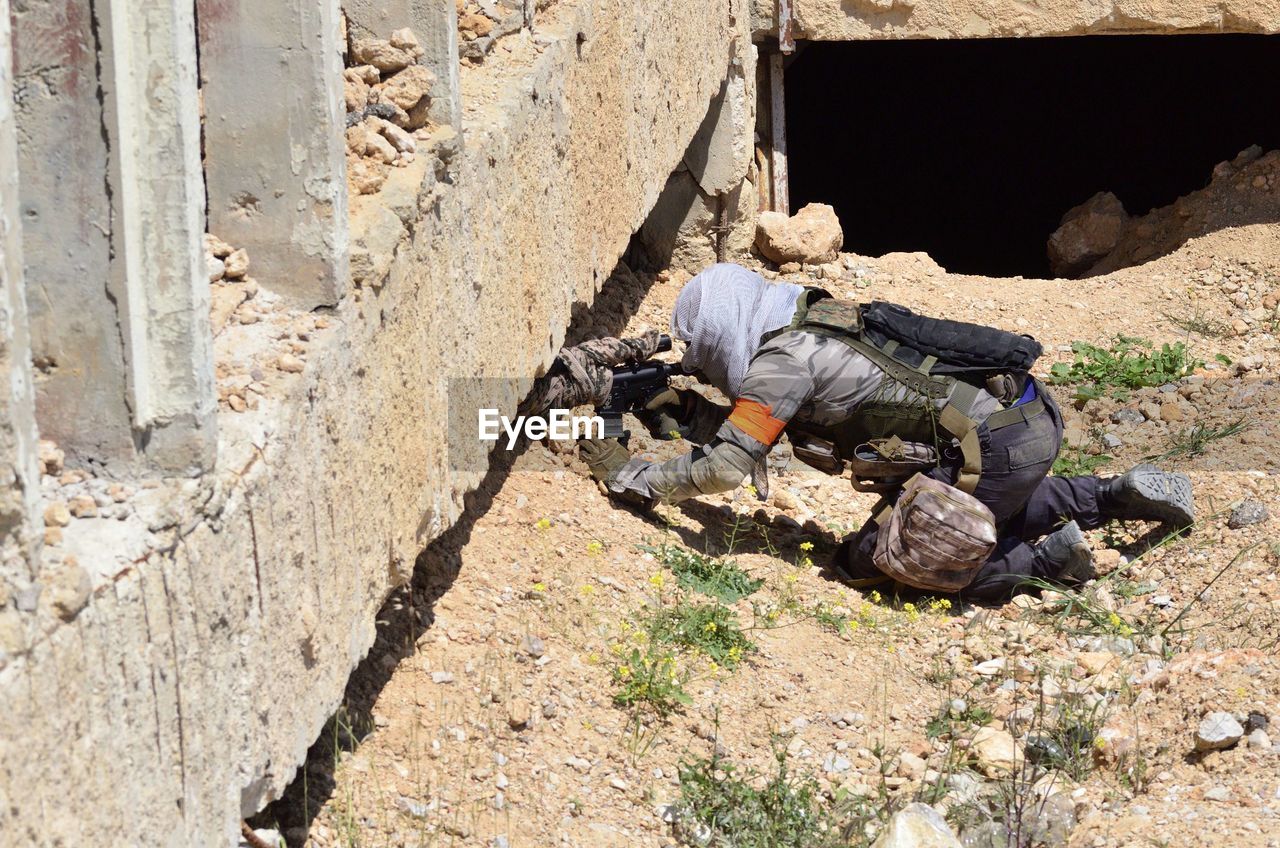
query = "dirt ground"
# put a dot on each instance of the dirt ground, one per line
(486, 714)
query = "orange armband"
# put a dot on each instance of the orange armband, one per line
(756, 420)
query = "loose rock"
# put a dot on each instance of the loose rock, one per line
(813, 235)
(237, 264)
(290, 364)
(381, 55)
(56, 514)
(519, 711)
(1217, 731)
(1087, 233)
(995, 750)
(1247, 513)
(917, 826)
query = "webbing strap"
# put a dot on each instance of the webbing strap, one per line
(964, 429)
(1015, 414)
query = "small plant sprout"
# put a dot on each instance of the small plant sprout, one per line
(717, 577)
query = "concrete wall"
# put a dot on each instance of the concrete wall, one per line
(272, 86)
(19, 476)
(228, 610)
(854, 20)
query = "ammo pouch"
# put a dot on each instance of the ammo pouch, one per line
(883, 465)
(935, 538)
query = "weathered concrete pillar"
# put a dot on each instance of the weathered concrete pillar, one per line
(435, 23)
(272, 84)
(111, 197)
(19, 476)
(154, 122)
(66, 210)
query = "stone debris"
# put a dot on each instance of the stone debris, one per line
(388, 97)
(1087, 233)
(56, 514)
(813, 235)
(83, 506)
(229, 273)
(1217, 731)
(995, 750)
(237, 264)
(1247, 513)
(519, 713)
(917, 826)
(1258, 740)
(383, 55)
(51, 457)
(290, 364)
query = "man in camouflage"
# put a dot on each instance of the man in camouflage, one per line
(735, 326)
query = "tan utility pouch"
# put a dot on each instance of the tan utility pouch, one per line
(936, 537)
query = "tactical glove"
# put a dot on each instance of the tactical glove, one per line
(666, 413)
(604, 457)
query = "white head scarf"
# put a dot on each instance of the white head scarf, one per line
(721, 315)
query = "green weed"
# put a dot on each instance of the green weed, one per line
(720, 805)
(652, 680)
(718, 577)
(708, 629)
(1129, 363)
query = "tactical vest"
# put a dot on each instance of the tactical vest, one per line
(915, 403)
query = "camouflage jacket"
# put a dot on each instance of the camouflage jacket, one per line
(795, 376)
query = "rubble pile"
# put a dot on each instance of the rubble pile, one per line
(387, 96)
(481, 23)
(1098, 237)
(230, 283)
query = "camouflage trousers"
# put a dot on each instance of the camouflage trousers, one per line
(582, 375)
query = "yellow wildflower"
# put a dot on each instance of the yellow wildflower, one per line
(875, 597)
(806, 546)
(543, 524)
(657, 580)
(750, 489)
(539, 587)
(588, 590)
(709, 627)
(594, 547)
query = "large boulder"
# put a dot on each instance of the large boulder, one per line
(1088, 232)
(811, 236)
(917, 826)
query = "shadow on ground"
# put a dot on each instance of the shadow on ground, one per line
(409, 611)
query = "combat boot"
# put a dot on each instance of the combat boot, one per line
(1145, 493)
(1067, 552)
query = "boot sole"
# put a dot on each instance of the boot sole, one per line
(1165, 496)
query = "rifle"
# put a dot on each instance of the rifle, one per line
(633, 387)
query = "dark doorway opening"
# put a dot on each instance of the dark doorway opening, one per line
(973, 150)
